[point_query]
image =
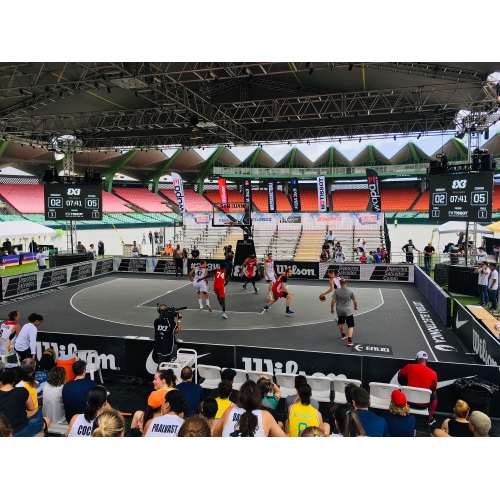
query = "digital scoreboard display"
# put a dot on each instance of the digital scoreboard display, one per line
(461, 196)
(72, 202)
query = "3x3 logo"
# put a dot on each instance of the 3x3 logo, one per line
(459, 184)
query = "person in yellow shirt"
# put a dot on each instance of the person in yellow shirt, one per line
(302, 414)
(28, 381)
(223, 401)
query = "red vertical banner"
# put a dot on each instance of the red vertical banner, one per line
(223, 194)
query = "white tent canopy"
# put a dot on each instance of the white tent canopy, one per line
(459, 226)
(18, 230)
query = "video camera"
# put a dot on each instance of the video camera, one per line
(170, 313)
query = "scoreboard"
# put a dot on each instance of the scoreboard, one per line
(72, 202)
(461, 196)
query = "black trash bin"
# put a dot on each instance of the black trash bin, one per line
(477, 393)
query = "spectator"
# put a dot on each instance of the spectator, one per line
(164, 379)
(314, 432)
(330, 237)
(408, 249)
(8, 332)
(479, 424)
(373, 425)
(227, 374)
(46, 363)
(150, 236)
(25, 344)
(302, 414)
(169, 424)
(15, 402)
(75, 393)
(194, 426)
(5, 428)
(193, 393)
(92, 252)
(195, 253)
(400, 421)
(223, 401)
(29, 382)
(7, 246)
(80, 248)
(209, 410)
(481, 255)
(458, 425)
(82, 425)
(169, 250)
(271, 395)
(53, 406)
(290, 400)
(324, 256)
(143, 238)
(339, 255)
(493, 286)
(152, 410)
(418, 374)
(325, 249)
(33, 246)
(346, 421)
(362, 258)
(247, 419)
(429, 251)
(370, 259)
(135, 249)
(100, 249)
(483, 275)
(109, 423)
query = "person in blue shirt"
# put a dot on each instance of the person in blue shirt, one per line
(193, 393)
(373, 425)
(74, 393)
(400, 421)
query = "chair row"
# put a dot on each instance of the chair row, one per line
(324, 389)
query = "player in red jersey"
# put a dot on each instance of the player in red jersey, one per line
(220, 281)
(280, 290)
(251, 270)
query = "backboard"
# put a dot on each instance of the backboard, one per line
(231, 214)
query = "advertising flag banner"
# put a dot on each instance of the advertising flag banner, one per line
(271, 196)
(295, 195)
(223, 194)
(247, 196)
(321, 194)
(374, 189)
(179, 191)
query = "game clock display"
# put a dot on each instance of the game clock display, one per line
(461, 197)
(72, 202)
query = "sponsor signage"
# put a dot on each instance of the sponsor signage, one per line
(461, 197)
(373, 349)
(369, 272)
(347, 271)
(390, 273)
(271, 196)
(374, 189)
(321, 184)
(247, 195)
(72, 202)
(295, 195)
(179, 191)
(301, 270)
(223, 193)
(103, 266)
(81, 272)
(19, 285)
(133, 264)
(475, 337)
(54, 277)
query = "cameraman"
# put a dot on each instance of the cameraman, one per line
(166, 330)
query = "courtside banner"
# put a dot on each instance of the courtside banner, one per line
(223, 193)
(321, 194)
(179, 191)
(369, 272)
(374, 189)
(271, 196)
(295, 195)
(301, 270)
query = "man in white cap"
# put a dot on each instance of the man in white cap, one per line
(479, 424)
(418, 374)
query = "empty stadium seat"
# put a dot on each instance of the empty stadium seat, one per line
(143, 198)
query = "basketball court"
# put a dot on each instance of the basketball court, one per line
(393, 319)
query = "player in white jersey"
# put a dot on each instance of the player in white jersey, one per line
(269, 273)
(199, 277)
(334, 283)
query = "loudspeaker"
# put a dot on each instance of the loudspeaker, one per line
(486, 162)
(435, 167)
(48, 176)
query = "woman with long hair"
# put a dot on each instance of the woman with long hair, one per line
(209, 411)
(110, 423)
(81, 425)
(194, 426)
(152, 410)
(457, 426)
(247, 419)
(53, 406)
(302, 414)
(347, 422)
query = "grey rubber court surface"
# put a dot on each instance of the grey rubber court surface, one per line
(125, 305)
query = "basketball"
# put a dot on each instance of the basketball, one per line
(322, 298)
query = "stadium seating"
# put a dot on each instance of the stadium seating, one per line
(398, 199)
(309, 200)
(496, 198)
(113, 204)
(24, 198)
(350, 200)
(422, 204)
(259, 199)
(194, 202)
(142, 198)
(233, 196)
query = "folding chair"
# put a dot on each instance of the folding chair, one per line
(93, 362)
(418, 396)
(321, 388)
(211, 375)
(286, 383)
(255, 375)
(380, 394)
(339, 384)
